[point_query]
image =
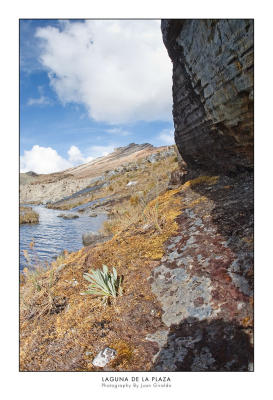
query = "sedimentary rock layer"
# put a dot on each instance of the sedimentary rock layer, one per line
(212, 91)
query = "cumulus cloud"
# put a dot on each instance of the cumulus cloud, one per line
(43, 160)
(166, 137)
(76, 157)
(119, 70)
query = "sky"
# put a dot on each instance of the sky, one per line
(89, 86)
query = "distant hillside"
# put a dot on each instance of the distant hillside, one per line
(28, 177)
(54, 187)
(120, 155)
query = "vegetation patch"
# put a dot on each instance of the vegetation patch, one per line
(28, 216)
(62, 330)
(56, 320)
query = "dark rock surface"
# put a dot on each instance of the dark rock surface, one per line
(212, 91)
(205, 281)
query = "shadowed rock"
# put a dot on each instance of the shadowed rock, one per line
(201, 346)
(212, 91)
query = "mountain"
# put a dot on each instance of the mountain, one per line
(53, 187)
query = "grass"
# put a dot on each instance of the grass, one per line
(152, 181)
(56, 321)
(144, 175)
(28, 216)
(38, 280)
(58, 326)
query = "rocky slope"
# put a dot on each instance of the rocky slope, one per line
(54, 187)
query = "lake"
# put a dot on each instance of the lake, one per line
(54, 234)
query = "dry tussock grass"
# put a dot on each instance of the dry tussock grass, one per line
(63, 331)
(56, 319)
(28, 216)
(150, 184)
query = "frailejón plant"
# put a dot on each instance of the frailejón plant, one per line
(104, 283)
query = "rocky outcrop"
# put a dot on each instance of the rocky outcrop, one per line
(205, 280)
(212, 91)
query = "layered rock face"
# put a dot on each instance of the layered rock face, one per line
(212, 91)
(205, 280)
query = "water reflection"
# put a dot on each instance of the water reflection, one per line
(54, 234)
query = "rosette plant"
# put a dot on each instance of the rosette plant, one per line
(104, 283)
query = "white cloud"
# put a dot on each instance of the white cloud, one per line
(42, 100)
(43, 160)
(118, 131)
(166, 137)
(118, 69)
(76, 157)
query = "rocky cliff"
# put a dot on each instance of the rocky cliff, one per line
(205, 280)
(212, 91)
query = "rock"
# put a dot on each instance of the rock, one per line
(93, 238)
(146, 227)
(93, 215)
(131, 183)
(212, 91)
(68, 216)
(204, 281)
(104, 357)
(152, 158)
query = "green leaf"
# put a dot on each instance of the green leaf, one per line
(105, 269)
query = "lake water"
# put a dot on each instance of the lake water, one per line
(54, 234)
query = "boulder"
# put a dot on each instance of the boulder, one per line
(93, 238)
(213, 81)
(68, 216)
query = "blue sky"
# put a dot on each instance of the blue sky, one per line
(87, 87)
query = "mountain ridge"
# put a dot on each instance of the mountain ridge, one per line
(45, 188)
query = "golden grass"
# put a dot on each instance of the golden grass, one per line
(56, 319)
(151, 182)
(28, 216)
(62, 330)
